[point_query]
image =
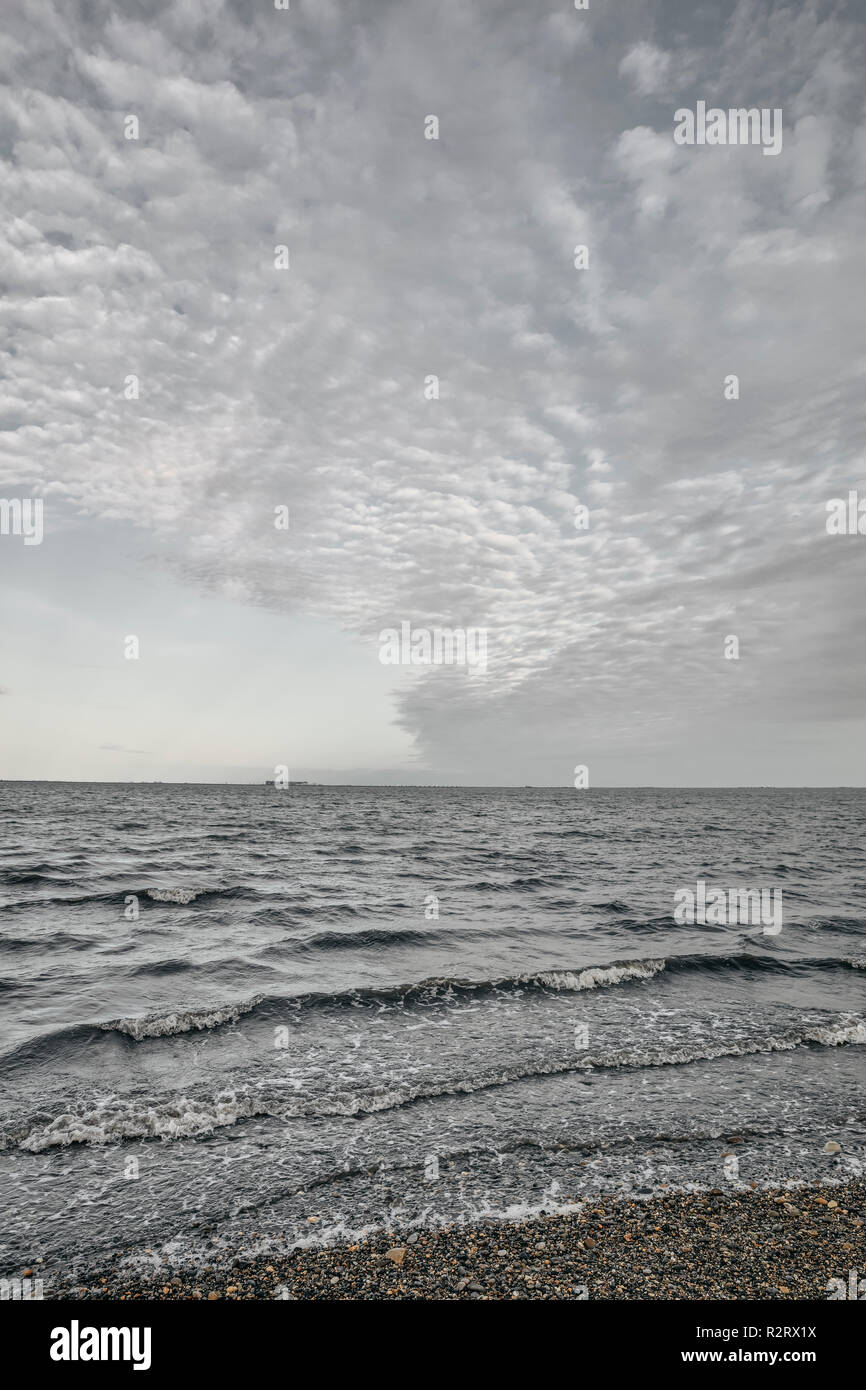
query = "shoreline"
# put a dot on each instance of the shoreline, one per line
(784, 1243)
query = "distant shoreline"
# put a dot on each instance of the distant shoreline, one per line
(447, 786)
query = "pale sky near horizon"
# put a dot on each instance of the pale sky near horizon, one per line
(558, 387)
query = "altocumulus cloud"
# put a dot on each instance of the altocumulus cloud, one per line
(455, 258)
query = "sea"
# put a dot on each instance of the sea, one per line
(239, 1019)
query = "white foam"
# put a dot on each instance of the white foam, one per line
(112, 1121)
(173, 895)
(180, 1021)
(848, 1031)
(599, 976)
(186, 1117)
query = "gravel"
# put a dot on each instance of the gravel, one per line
(782, 1244)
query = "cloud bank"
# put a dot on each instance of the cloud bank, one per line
(412, 258)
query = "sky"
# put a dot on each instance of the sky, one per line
(169, 385)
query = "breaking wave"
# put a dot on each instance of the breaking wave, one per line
(174, 895)
(430, 993)
(180, 1021)
(197, 1116)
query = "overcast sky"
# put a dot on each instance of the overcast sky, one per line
(411, 257)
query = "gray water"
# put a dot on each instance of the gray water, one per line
(238, 1018)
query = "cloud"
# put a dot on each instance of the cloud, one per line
(153, 259)
(647, 67)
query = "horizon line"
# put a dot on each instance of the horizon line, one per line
(466, 786)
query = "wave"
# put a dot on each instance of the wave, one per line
(197, 1116)
(365, 939)
(182, 896)
(529, 881)
(76, 1038)
(172, 966)
(163, 1025)
(846, 926)
(425, 992)
(53, 939)
(177, 896)
(429, 993)
(597, 976)
(438, 990)
(574, 834)
(17, 943)
(634, 1140)
(112, 1122)
(174, 895)
(40, 873)
(435, 989)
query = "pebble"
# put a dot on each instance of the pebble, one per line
(686, 1245)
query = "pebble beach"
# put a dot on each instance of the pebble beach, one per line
(743, 1245)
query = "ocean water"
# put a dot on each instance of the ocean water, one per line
(236, 1019)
